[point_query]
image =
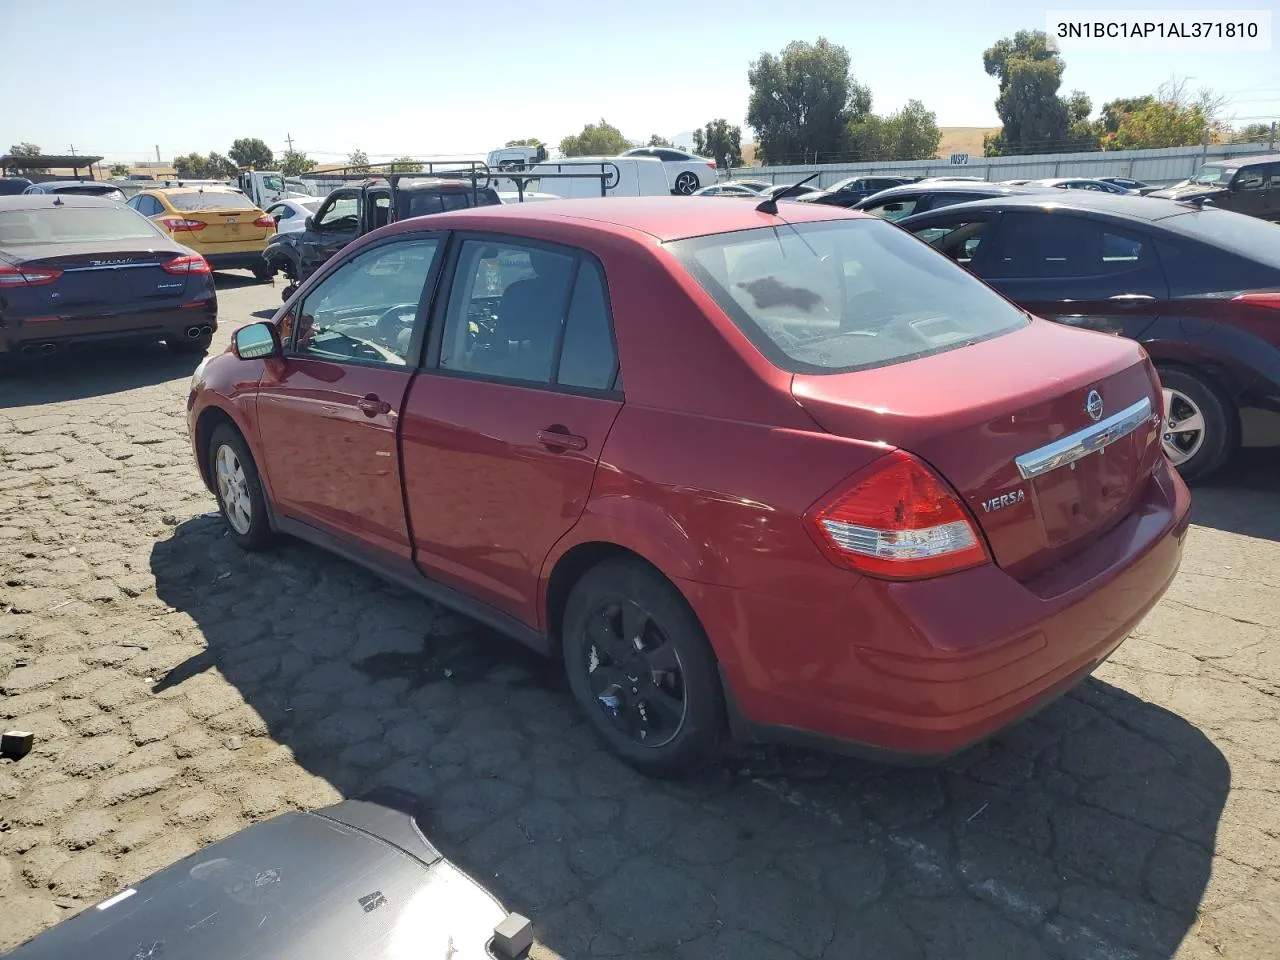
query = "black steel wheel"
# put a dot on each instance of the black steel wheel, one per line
(642, 670)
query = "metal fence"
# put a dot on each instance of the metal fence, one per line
(1163, 166)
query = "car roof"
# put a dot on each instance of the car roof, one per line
(40, 201)
(1241, 161)
(1149, 209)
(663, 218)
(958, 186)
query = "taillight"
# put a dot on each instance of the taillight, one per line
(187, 264)
(265, 221)
(898, 520)
(177, 224)
(27, 276)
(711, 164)
(1260, 299)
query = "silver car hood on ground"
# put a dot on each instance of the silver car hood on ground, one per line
(355, 881)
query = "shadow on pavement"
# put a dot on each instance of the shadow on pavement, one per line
(1087, 831)
(1244, 497)
(233, 279)
(90, 370)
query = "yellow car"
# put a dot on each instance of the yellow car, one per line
(219, 223)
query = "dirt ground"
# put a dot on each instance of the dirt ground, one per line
(180, 690)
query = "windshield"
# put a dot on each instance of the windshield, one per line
(212, 200)
(844, 295)
(1210, 174)
(72, 225)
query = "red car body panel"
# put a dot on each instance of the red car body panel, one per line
(707, 469)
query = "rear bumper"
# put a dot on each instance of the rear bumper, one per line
(924, 669)
(158, 324)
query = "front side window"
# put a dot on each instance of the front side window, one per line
(342, 214)
(274, 183)
(366, 311)
(843, 295)
(1251, 178)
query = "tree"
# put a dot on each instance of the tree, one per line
(595, 140)
(1169, 118)
(908, 134)
(526, 142)
(1254, 133)
(251, 152)
(118, 170)
(294, 162)
(194, 166)
(27, 150)
(803, 101)
(657, 141)
(1034, 117)
(405, 165)
(719, 141)
(358, 161)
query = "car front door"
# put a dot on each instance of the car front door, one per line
(503, 430)
(329, 408)
(334, 225)
(1075, 270)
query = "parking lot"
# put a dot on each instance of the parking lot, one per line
(179, 689)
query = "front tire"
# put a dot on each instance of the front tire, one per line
(263, 272)
(686, 183)
(1201, 427)
(642, 670)
(238, 488)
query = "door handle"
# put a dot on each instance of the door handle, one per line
(370, 405)
(1132, 297)
(558, 438)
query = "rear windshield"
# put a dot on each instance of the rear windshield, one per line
(212, 200)
(72, 225)
(1250, 237)
(90, 190)
(844, 295)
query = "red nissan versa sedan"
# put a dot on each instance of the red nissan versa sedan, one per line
(781, 475)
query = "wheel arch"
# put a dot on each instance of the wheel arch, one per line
(209, 420)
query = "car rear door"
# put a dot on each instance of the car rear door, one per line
(329, 409)
(1077, 270)
(503, 430)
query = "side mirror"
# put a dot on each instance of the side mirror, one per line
(255, 342)
(310, 223)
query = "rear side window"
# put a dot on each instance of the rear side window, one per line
(72, 225)
(587, 357)
(843, 295)
(212, 200)
(1055, 245)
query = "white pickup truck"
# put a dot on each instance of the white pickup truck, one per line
(265, 187)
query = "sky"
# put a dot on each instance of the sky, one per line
(337, 76)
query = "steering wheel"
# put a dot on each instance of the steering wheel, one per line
(390, 323)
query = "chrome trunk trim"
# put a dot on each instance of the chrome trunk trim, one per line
(1080, 444)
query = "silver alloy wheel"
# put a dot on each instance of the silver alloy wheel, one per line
(1182, 435)
(233, 490)
(686, 183)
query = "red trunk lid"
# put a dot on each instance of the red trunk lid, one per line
(975, 412)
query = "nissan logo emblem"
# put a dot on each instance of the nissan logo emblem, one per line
(1093, 405)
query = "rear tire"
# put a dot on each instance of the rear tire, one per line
(1197, 400)
(686, 183)
(239, 491)
(654, 697)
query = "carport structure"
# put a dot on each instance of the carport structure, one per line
(12, 163)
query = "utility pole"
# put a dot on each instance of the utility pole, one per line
(157, 153)
(1271, 144)
(1204, 146)
(288, 138)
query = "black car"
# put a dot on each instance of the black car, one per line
(350, 212)
(846, 193)
(11, 185)
(1130, 184)
(1198, 287)
(85, 188)
(897, 203)
(1248, 185)
(76, 269)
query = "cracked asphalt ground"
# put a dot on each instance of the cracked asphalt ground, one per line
(180, 690)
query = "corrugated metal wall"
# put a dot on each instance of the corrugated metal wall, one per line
(1163, 166)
